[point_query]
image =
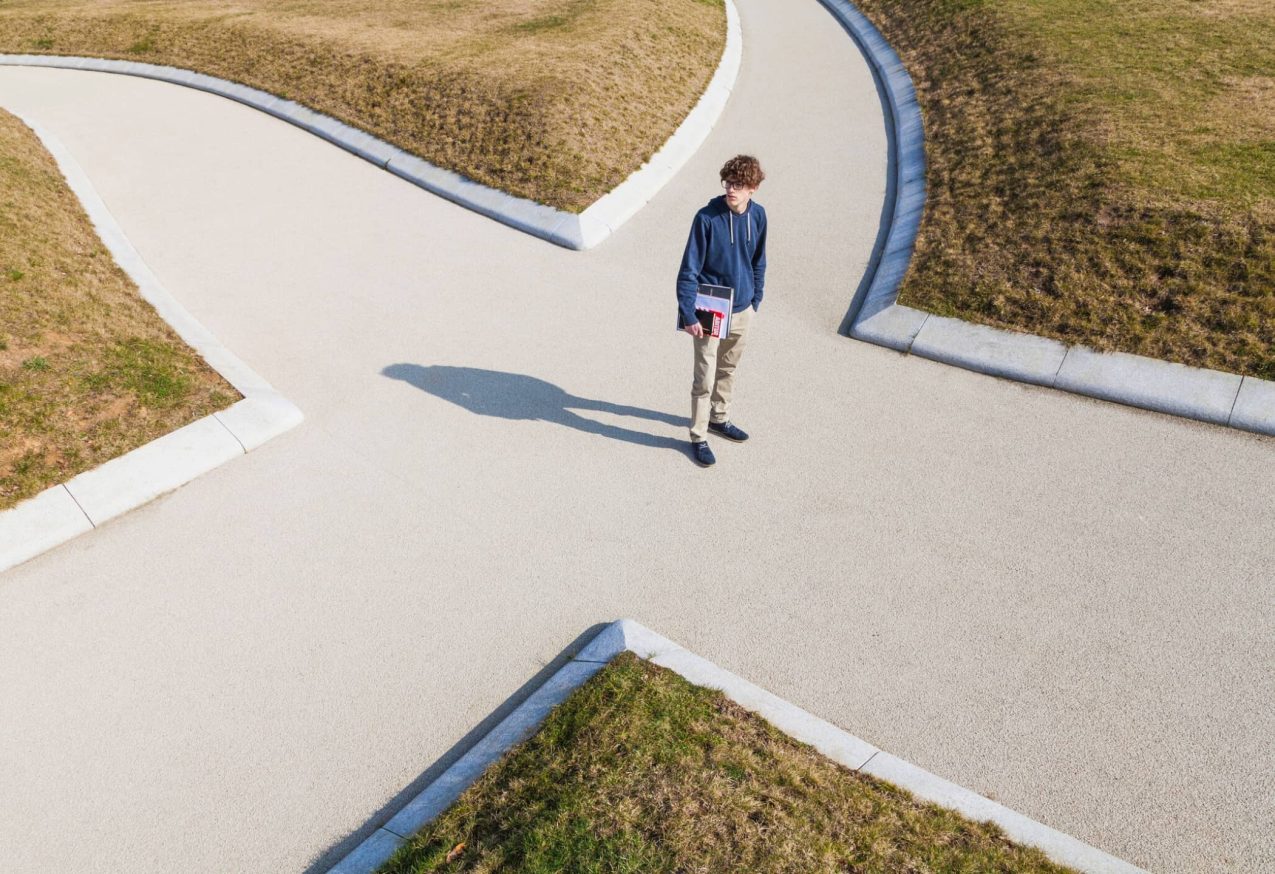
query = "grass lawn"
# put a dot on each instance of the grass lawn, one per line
(88, 371)
(640, 771)
(1100, 171)
(554, 100)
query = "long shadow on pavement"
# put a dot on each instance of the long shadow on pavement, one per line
(516, 396)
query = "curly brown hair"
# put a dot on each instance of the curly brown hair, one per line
(745, 169)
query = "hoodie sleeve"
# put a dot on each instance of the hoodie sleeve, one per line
(689, 273)
(759, 265)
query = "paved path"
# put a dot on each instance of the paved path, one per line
(1060, 603)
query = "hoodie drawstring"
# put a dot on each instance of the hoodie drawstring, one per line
(730, 213)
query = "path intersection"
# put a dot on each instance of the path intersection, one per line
(1060, 603)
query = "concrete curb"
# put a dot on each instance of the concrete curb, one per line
(840, 746)
(1254, 408)
(1023, 357)
(1193, 392)
(573, 231)
(905, 176)
(62, 512)
(876, 317)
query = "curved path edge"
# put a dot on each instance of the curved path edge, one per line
(875, 316)
(571, 230)
(65, 511)
(625, 635)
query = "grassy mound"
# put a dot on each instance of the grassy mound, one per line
(554, 100)
(1100, 171)
(88, 370)
(641, 771)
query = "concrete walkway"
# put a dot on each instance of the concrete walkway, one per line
(1060, 603)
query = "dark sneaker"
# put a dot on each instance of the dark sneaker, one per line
(702, 454)
(729, 431)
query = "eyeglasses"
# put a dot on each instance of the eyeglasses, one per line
(734, 186)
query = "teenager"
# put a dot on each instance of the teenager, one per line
(727, 246)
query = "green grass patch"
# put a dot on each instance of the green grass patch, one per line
(554, 100)
(153, 371)
(1100, 172)
(142, 46)
(640, 771)
(538, 25)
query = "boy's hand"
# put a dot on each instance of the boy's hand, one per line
(695, 329)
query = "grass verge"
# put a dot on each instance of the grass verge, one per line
(554, 100)
(641, 771)
(1100, 171)
(88, 370)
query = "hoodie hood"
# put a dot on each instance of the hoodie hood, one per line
(745, 219)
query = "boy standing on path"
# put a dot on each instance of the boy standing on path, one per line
(727, 246)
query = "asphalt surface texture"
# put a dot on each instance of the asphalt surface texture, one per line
(1060, 603)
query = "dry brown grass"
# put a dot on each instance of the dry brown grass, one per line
(88, 371)
(555, 100)
(639, 771)
(1100, 171)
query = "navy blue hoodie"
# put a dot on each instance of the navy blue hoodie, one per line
(724, 249)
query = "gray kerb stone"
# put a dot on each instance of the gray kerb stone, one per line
(838, 745)
(149, 471)
(1024, 357)
(39, 524)
(889, 261)
(371, 854)
(893, 326)
(1208, 395)
(1254, 408)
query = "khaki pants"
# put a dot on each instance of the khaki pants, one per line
(715, 362)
